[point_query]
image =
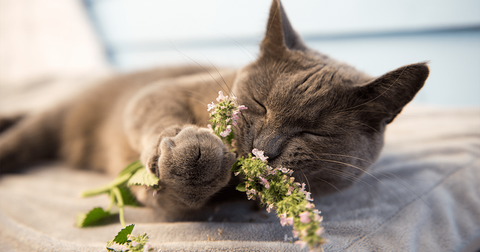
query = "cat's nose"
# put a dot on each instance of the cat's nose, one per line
(270, 144)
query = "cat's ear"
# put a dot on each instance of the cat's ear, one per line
(280, 35)
(384, 98)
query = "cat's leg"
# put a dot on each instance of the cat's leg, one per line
(31, 139)
(192, 163)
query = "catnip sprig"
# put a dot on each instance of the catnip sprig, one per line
(277, 190)
(275, 187)
(119, 192)
(121, 195)
(125, 241)
(224, 114)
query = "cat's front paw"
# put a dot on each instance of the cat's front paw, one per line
(192, 166)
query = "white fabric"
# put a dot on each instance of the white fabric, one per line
(422, 195)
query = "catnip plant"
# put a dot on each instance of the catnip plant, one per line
(120, 195)
(274, 187)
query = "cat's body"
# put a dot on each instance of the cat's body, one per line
(321, 118)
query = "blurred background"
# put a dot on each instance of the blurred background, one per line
(44, 38)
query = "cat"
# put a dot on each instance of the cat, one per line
(306, 111)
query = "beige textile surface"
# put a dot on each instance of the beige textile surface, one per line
(422, 195)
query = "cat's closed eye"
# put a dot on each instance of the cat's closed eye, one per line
(316, 134)
(259, 105)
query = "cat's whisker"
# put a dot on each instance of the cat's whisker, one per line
(215, 79)
(306, 179)
(391, 174)
(172, 46)
(370, 127)
(224, 82)
(388, 174)
(194, 96)
(348, 176)
(400, 181)
(363, 170)
(341, 155)
(344, 196)
(236, 42)
(355, 179)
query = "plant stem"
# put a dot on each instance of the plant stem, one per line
(112, 201)
(119, 198)
(104, 189)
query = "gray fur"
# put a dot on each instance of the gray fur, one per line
(321, 118)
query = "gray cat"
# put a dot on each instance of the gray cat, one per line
(308, 112)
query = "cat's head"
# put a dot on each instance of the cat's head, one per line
(321, 118)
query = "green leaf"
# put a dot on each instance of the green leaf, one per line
(241, 187)
(122, 178)
(122, 236)
(128, 197)
(236, 166)
(131, 168)
(91, 218)
(143, 177)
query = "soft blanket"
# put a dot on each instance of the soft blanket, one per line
(423, 194)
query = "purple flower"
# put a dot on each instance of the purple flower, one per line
(147, 247)
(235, 114)
(242, 107)
(283, 219)
(270, 207)
(295, 233)
(221, 96)
(308, 196)
(304, 217)
(302, 190)
(309, 205)
(211, 106)
(265, 182)
(252, 191)
(317, 218)
(290, 221)
(259, 154)
(319, 231)
(134, 243)
(290, 190)
(226, 132)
